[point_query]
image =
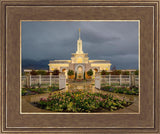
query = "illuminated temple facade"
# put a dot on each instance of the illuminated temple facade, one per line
(79, 63)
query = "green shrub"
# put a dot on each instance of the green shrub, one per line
(55, 72)
(90, 72)
(23, 92)
(32, 91)
(122, 90)
(116, 72)
(42, 72)
(33, 72)
(104, 72)
(136, 72)
(70, 72)
(53, 88)
(125, 73)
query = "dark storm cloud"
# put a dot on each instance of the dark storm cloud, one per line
(114, 41)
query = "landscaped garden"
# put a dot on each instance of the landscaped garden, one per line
(81, 101)
(34, 90)
(85, 100)
(133, 90)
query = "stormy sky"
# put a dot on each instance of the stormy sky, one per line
(104, 40)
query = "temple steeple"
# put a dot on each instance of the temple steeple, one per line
(79, 44)
(79, 33)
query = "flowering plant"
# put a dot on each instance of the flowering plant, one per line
(81, 101)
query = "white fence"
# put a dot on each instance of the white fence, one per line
(136, 80)
(119, 80)
(40, 80)
(23, 81)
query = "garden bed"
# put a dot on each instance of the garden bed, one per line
(80, 80)
(122, 90)
(81, 101)
(33, 91)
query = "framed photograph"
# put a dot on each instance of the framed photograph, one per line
(79, 67)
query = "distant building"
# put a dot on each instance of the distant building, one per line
(27, 70)
(79, 63)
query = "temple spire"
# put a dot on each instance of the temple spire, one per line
(79, 44)
(79, 33)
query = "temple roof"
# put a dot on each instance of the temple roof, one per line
(59, 61)
(69, 61)
(99, 61)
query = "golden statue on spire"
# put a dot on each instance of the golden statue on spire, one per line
(79, 33)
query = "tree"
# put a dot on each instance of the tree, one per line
(41, 72)
(55, 72)
(47, 73)
(104, 72)
(84, 76)
(136, 72)
(90, 72)
(125, 73)
(116, 72)
(33, 72)
(70, 72)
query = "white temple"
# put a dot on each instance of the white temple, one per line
(79, 63)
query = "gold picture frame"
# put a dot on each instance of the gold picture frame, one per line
(13, 11)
